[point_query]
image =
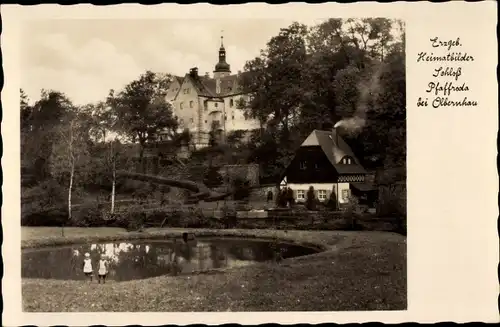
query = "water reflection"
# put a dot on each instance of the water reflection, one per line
(144, 259)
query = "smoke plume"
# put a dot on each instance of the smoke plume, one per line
(369, 88)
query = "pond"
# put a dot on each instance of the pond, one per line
(152, 258)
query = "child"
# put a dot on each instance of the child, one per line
(103, 269)
(87, 266)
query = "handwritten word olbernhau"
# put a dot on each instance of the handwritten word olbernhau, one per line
(446, 89)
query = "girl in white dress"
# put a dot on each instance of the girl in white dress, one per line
(103, 269)
(87, 266)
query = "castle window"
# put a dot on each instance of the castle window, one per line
(191, 104)
(302, 165)
(181, 105)
(232, 117)
(231, 103)
(216, 105)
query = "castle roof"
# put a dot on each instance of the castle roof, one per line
(229, 85)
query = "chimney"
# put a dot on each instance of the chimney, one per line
(193, 72)
(207, 74)
(335, 137)
(239, 73)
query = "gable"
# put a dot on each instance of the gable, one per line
(336, 150)
(173, 89)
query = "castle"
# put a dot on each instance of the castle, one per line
(202, 103)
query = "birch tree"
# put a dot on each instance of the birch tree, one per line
(70, 154)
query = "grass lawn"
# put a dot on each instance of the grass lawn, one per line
(357, 271)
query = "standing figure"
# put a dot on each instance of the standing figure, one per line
(87, 266)
(103, 269)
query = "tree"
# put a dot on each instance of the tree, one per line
(311, 199)
(101, 120)
(70, 153)
(39, 129)
(275, 80)
(212, 177)
(142, 113)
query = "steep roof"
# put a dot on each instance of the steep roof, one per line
(179, 79)
(335, 148)
(229, 85)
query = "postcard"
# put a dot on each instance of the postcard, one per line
(256, 163)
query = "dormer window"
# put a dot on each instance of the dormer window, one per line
(347, 161)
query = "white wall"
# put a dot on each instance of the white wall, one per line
(328, 187)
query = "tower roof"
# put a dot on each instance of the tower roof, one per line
(222, 65)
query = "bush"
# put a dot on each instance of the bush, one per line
(212, 177)
(331, 202)
(311, 199)
(241, 189)
(88, 215)
(281, 199)
(289, 197)
(51, 217)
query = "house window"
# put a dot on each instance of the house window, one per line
(303, 165)
(181, 105)
(321, 195)
(301, 194)
(191, 104)
(345, 194)
(231, 103)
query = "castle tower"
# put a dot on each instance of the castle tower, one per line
(222, 68)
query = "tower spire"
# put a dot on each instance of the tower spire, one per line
(222, 68)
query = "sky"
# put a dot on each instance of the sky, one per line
(86, 58)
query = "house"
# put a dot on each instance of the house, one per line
(327, 163)
(202, 102)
